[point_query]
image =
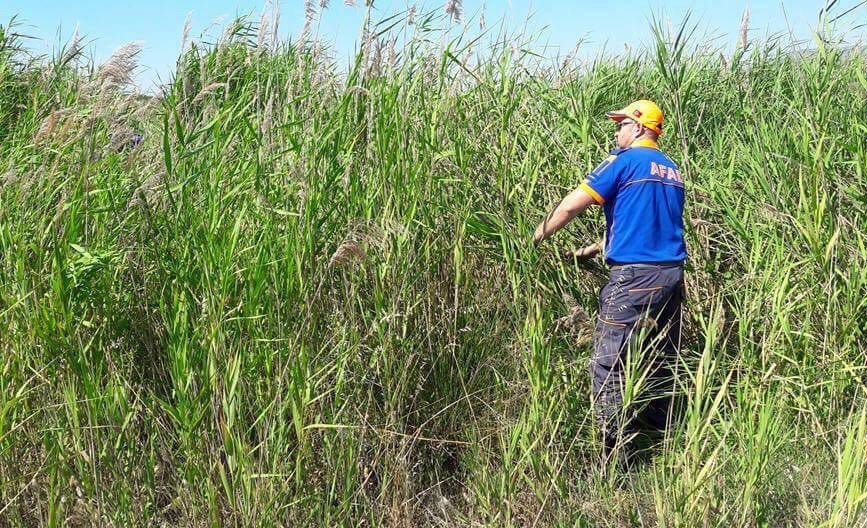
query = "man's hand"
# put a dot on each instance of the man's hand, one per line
(583, 254)
(537, 236)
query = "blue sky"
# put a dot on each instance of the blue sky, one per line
(159, 23)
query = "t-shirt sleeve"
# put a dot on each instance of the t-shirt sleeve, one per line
(602, 182)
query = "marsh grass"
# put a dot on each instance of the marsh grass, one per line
(309, 298)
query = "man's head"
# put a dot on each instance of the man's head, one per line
(641, 119)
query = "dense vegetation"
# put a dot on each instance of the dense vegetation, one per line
(309, 296)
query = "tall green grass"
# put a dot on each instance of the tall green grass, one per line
(309, 298)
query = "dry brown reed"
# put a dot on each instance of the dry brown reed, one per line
(185, 34)
(454, 9)
(120, 66)
(309, 15)
(10, 177)
(49, 125)
(144, 194)
(743, 38)
(391, 54)
(264, 31)
(211, 88)
(73, 48)
(347, 252)
(275, 23)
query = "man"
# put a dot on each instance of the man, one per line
(638, 329)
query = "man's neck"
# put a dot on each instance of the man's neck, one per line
(644, 142)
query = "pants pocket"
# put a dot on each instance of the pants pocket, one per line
(609, 340)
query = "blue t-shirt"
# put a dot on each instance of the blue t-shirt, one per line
(641, 191)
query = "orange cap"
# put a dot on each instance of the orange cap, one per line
(642, 111)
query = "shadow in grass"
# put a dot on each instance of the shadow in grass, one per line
(650, 436)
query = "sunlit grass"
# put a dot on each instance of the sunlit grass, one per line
(309, 297)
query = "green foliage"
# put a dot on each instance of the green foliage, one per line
(310, 298)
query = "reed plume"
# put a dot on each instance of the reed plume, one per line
(454, 9)
(309, 15)
(73, 48)
(743, 38)
(120, 66)
(185, 34)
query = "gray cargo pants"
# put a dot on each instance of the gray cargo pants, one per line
(635, 345)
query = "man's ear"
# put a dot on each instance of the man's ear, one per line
(639, 130)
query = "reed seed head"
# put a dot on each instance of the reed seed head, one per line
(743, 39)
(121, 65)
(347, 252)
(185, 34)
(73, 48)
(309, 16)
(264, 30)
(410, 15)
(454, 9)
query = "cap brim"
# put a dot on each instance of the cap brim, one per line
(620, 116)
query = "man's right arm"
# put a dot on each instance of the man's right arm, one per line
(571, 206)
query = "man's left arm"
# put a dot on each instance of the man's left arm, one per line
(564, 211)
